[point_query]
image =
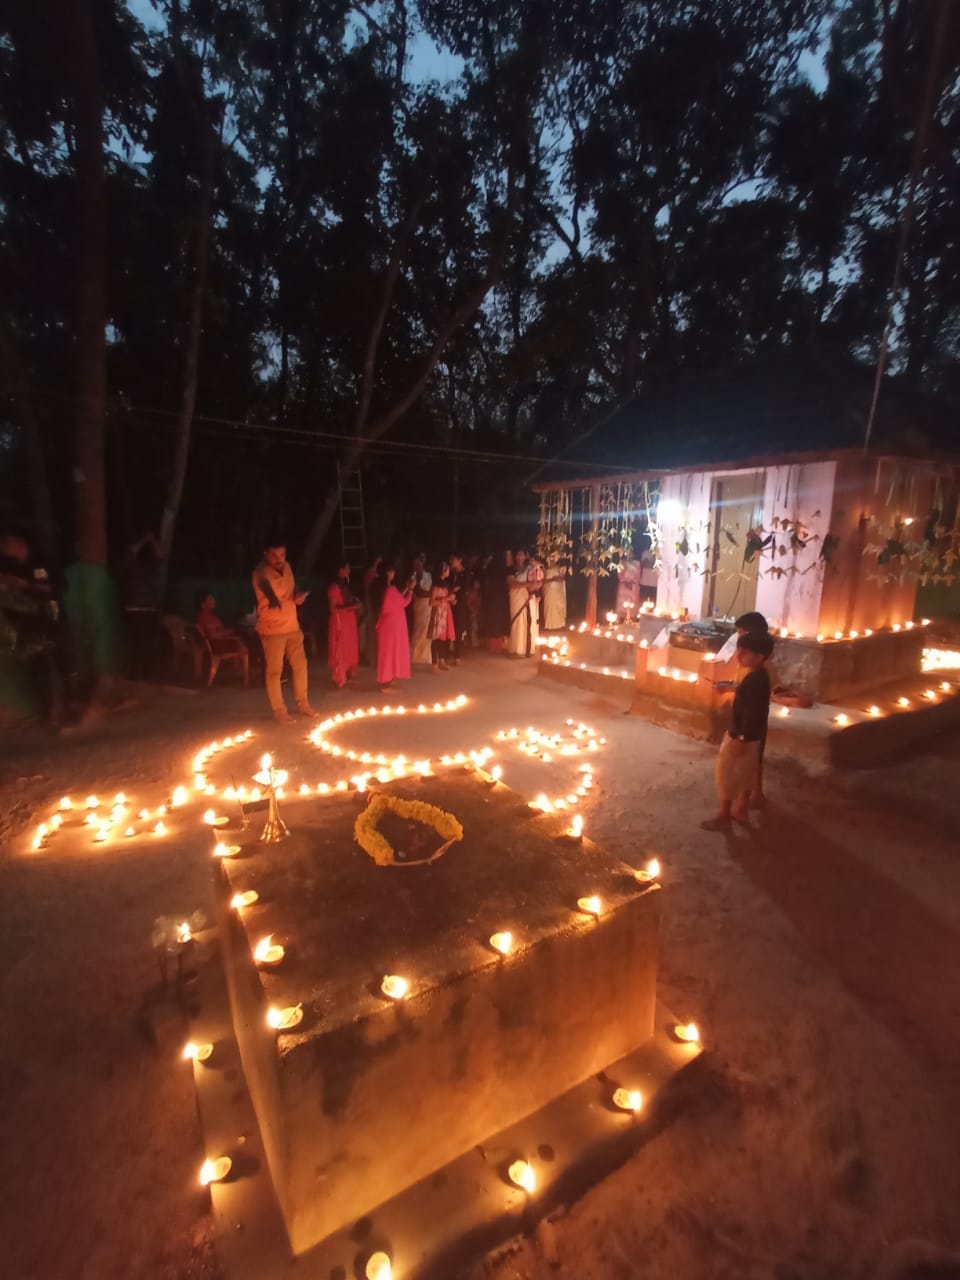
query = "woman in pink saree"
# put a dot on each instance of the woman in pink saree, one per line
(393, 640)
(343, 643)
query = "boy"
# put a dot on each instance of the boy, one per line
(739, 760)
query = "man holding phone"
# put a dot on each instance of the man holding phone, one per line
(279, 630)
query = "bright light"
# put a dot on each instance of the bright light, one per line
(267, 951)
(285, 1019)
(502, 942)
(197, 1052)
(841, 719)
(379, 1267)
(628, 1099)
(245, 899)
(521, 1174)
(214, 1170)
(591, 906)
(394, 986)
(688, 1032)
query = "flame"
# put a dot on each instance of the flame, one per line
(378, 1267)
(591, 906)
(689, 1032)
(394, 986)
(267, 951)
(521, 1173)
(502, 942)
(628, 1099)
(214, 1170)
(245, 899)
(576, 826)
(196, 1052)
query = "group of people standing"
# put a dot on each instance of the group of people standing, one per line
(406, 615)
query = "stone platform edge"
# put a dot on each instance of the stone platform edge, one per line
(458, 1214)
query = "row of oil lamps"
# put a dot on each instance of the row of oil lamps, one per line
(396, 987)
(554, 642)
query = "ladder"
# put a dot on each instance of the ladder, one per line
(353, 531)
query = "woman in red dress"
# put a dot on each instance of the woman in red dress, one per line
(343, 646)
(393, 639)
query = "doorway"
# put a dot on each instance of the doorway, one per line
(736, 507)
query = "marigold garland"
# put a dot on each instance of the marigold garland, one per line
(372, 841)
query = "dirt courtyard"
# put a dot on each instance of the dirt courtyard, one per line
(819, 953)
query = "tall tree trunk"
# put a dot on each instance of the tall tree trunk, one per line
(41, 502)
(191, 355)
(91, 304)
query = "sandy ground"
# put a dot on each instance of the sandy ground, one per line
(818, 953)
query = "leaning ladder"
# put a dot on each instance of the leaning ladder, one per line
(353, 531)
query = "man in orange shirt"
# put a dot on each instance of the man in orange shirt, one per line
(279, 630)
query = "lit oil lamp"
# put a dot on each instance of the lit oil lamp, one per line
(650, 872)
(502, 942)
(521, 1175)
(591, 906)
(184, 933)
(903, 702)
(212, 819)
(575, 830)
(245, 899)
(221, 850)
(160, 829)
(841, 719)
(179, 797)
(267, 951)
(874, 711)
(285, 1019)
(688, 1032)
(66, 804)
(394, 986)
(628, 1099)
(215, 1170)
(197, 1052)
(378, 1267)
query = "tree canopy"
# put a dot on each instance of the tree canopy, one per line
(242, 243)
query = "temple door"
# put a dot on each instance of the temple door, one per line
(736, 507)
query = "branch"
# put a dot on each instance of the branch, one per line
(572, 241)
(390, 279)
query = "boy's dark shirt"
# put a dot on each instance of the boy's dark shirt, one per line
(751, 707)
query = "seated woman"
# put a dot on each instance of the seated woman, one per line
(222, 640)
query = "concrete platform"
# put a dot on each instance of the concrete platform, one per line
(436, 1227)
(368, 1096)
